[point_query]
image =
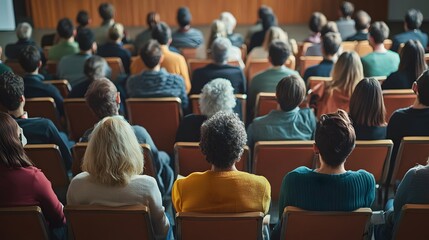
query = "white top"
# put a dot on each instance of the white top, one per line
(142, 189)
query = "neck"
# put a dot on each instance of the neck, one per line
(331, 57)
(35, 72)
(156, 68)
(418, 105)
(326, 169)
(89, 52)
(379, 47)
(216, 169)
(71, 39)
(17, 113)
(185, 28)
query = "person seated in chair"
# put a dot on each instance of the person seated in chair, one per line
(186, 36)
(362, 24)
(66, 46)
(412, 23)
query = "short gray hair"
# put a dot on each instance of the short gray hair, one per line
(217, 95)
(95, 67)
(24, 30)
(229, 20)
(220, 49)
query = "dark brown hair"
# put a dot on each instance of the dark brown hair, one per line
(412, 59)
(101, 98)
(12, 154)
(367, 105)
(290, 92)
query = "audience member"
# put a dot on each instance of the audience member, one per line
(346, 75)
(23, 184)
(107, 13)
(66, 46)
(113, 47)
(37, 130)
(230, 22)
(221, 189)
(219, 69)
(412, 23)
(217, 95)
(31, 62)
(331, 44)
(3, 67)
(410, 121)
(23, 32)
(367, 110)
(346, 25)
(152, 19)
(83, 20)
(72, 67)
(103, 99)
(261, 52)
(362, 24)
(329, 187)
(268, 20)
(267, 80)
(289, 123)
(112, 166)
(156, 81)
(186, 36)
(381, 62)
(94, 68)
(316, 23)
(263, 10)
(172, 62)
(316, 48)
(411, 66)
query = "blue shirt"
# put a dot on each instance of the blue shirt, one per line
(415, 34)
(116, 50)
(187, 39)
(323, 69)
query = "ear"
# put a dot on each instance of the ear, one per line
(118, 98)
(415, 88)
(22, 98)
(74, 32)
(39, 65)
(94, 47)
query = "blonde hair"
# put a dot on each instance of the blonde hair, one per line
(274, 33)
(113, 155)
(347, 73)
(217, 29)
(116, 31)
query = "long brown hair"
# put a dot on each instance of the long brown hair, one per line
(412, 59)
(12, 154)
(367, 105)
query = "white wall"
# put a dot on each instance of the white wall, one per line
(7, 16)
(398, 8)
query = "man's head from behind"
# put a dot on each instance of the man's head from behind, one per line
(317, 21)
(347, 9)
(86, 40)
(290, 92)
(331, 43)
(106, 11)
(378, 32)
(279, 52)
(116, 32)
(82, 18)
(103, 98)
(220, 50)
(65, 28)
(184, 17)
(421, 87)
(162, 33)
(362, 20)
(151, 54)
(413, 19)
(30, 58)
(23, 31)
(11, 91)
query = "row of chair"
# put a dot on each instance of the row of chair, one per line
(133, 222)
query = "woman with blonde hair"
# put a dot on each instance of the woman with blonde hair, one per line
(346, 74)
(112, 166)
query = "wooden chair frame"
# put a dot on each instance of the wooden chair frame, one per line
(407, 229)
(62, 85)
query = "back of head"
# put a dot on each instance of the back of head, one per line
(12, 154)
(268, 20)
(362, 20)
(331, 43)
(335, 138)
(413, 19)
(82, 18)
(65, 28)
(151, 54)
(223, 138)
(330, 27)
(101, 98)
(347, 72)
(106, 11)
(279, 51)
(229, 20)
(113, 154)
(367, 105)
(290, 92)
(162, 33)
(29, 58)
(317, 21)
(184, 16)
(152, 19)
(220, 49)
(264, 10)
(24, 31)
(423, 88)
(11, 90)
(347, 9)
(379, 31)
(85, 38)
(116, 32)
(412, 59)
(217, 95)
(95, 67)
(274, 33)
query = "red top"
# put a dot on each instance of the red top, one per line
(29, 186)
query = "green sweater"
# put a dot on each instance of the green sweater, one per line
(380, 64)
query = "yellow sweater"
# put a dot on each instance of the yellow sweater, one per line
(173, 63)
(222, 192)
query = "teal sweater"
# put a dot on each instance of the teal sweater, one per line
(310, 190)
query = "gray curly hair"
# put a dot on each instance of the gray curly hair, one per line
(217, 95)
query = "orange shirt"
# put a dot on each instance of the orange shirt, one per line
(332, 102)
(222, 192)
(173, 63)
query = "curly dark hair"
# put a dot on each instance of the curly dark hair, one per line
(222, 139)
(11, 90)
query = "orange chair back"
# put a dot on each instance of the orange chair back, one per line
(189, 53)
(199, 63)
(265, 102)
(396, 99)
(308, 61)
(62, 85)
(43, 107)
(51, 67)
(363, 48)
(413, 222)
(79, 117)
(23, 223)
(16, 67)
(115, 64)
